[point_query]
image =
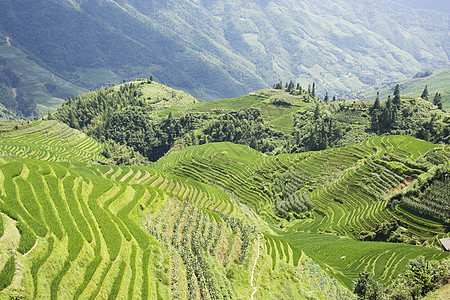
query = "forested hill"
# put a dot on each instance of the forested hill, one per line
(225, 48)
(149, 120)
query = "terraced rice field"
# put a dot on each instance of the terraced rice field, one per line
(73, 228)
(50, 141)
(198, 193)
(344, 258)
(76, 234)
(349, 187)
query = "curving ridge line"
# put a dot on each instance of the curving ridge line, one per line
(253, 271)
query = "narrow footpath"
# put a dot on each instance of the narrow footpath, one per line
(253, 271)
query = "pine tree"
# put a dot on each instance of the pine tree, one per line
(397, 100)
(290, 86)
(317, 112)
(389, 102)
(334, 98)
(438, 100)
(376, 104)
(326, 99)
(425, 93)
(313, 92)
(278, 85)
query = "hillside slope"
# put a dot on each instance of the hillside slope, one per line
(202, 222)
(216, 49)
(154, 120)
(350, 188)
(436, 81)
(70, 227)
(26, 87)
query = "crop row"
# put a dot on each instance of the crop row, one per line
(193, 235)
(200, 194)
(50, 141)
(93, 245)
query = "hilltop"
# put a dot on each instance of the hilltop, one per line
(282, 120)
(217, 49)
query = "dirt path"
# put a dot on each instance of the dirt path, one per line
(407, 182)
(253, 271)
(14, 92)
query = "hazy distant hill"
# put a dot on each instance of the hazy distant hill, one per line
(226, 48)
(441, 5)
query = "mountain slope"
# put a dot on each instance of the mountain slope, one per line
(226, 48)
(28, 88)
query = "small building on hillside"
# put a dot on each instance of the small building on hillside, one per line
(445, 244)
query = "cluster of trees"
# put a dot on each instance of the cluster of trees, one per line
(398, 117)
(122, 120)
(296, 89)
(85, 111)
(153, 137)
(125, 123)
(430, 198)
(316, 131)
(289, 201)
(245, 127)
(420, 278)
(437, 100)
(385, 118)
(391, 231)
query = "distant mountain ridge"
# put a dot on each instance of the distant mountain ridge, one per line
(226, 48)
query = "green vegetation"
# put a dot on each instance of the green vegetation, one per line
(82, 229)
(7, 273)
(135, 118)
(214, 219)
(10, 97)
(33, 89)
(420, 278)
(434, 81)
